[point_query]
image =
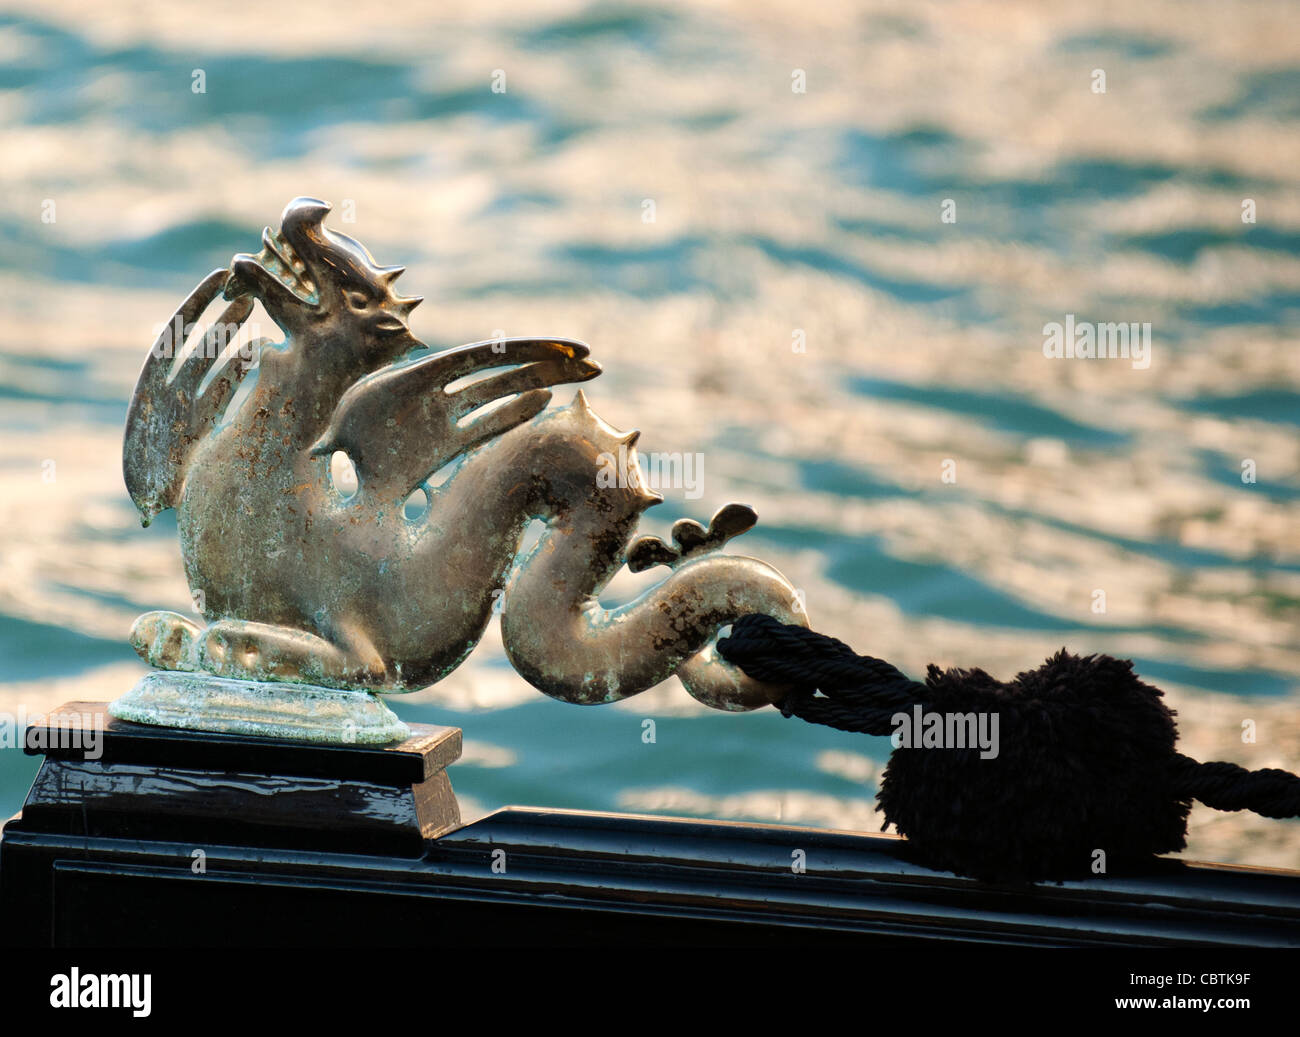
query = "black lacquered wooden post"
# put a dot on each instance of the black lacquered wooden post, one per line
(108, 784)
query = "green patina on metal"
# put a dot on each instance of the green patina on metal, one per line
(200, 701)
(301, 582)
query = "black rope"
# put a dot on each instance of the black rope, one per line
(1225, 786)
(858, 693)
(834, 686)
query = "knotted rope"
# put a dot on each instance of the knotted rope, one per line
(1087, 760)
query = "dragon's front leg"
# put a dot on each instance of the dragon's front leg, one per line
(258, 651)
(167, 640)
(263, 651)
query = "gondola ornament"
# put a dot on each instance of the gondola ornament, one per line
(316, 597)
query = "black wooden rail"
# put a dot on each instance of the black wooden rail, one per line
(174, 838)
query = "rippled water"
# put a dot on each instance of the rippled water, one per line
(780, 218)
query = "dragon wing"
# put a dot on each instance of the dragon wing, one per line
(401, 424)
(169, 415)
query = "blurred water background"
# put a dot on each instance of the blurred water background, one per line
(777, 214)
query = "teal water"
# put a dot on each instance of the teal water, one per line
(776, 215)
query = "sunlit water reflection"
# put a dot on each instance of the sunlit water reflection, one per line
(797, 312)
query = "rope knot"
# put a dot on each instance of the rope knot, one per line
(1083, 765)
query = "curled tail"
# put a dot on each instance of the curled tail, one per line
(169, 416)
(553, 627)
(587, 655)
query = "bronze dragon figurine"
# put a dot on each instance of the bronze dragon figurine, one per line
(300, 581)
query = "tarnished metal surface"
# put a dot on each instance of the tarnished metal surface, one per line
(265, 708)
(301, 581)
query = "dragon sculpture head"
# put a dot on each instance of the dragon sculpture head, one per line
(324, 287)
